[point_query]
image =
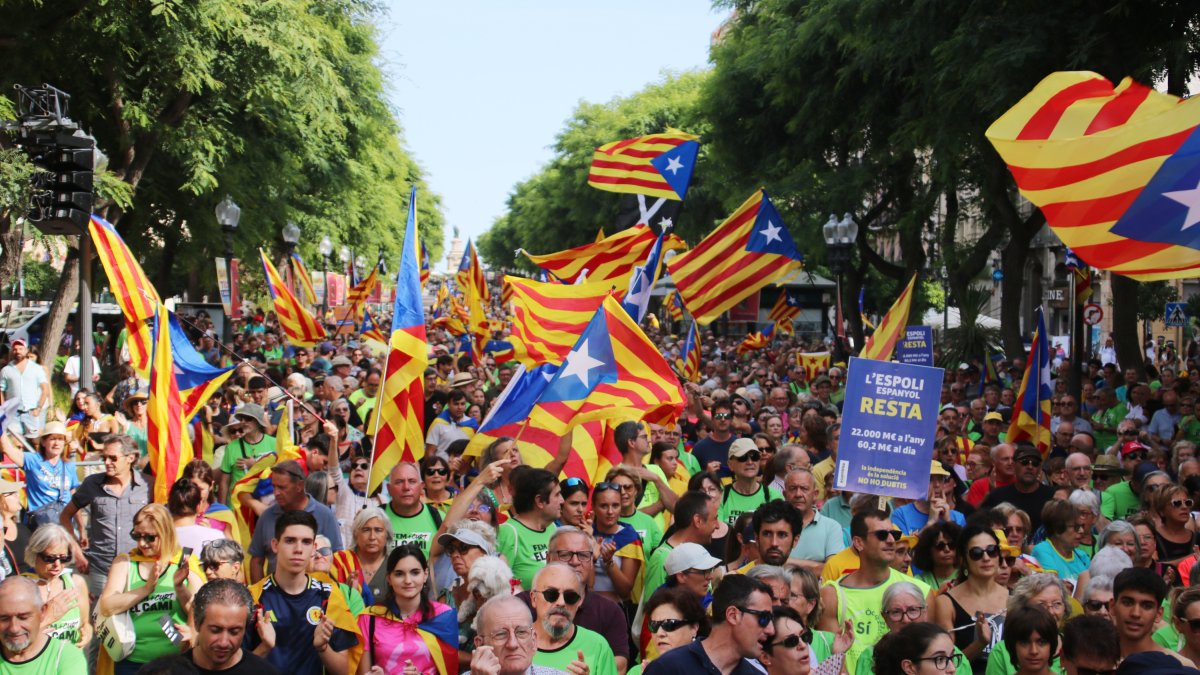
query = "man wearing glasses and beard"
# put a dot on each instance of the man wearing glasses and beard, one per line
(556, 595)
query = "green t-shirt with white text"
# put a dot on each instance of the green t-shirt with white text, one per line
(418, 529)
(524, 549)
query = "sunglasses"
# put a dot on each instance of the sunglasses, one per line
(1008, 560)
(139, 536)
(720, 416)
(977, 552)
(573, 481)
(1138, 455)
(884, 535)
(763, 616)
(323, 552)
(569, 597)
(1088, 671)
(943, 546)
(669, 625)
(1129, 432)
(51, 559)
(437, 472)
(1182, 502)
(1029, 461)
(752, 456)
(793, 641)
(1096, 606)
(360, 465)
(601, 487)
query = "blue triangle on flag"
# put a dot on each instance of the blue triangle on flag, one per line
(770, 234)
(590, 363)
(1162, 213)
(676, 166)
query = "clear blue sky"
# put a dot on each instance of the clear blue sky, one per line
(483, 87)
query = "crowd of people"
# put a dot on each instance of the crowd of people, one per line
(718, 542)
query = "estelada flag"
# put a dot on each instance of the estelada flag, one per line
(812, 363)
(658, 165)
(611, 259)
(1031, 411)
(1115, 171)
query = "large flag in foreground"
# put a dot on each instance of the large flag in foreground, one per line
(401, 419)
(166, 436)
(135, 294)
(548, 317)
(612, 372)
(610, 259)
(658, 165)
(301, 329)
(749, 250)
(1031, 411)
(1115, 170)
(882, 342)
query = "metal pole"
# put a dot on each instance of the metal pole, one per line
(227, 327)
(1078, 358)
(324, 288)
(85, 312)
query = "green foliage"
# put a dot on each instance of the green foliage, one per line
(969, 341)
(15, 172)
(1152, 299)
(112, 189)
(40, 278)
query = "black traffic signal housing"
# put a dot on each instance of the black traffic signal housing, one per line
(63, 192)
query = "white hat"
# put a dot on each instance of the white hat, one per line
(689, 556)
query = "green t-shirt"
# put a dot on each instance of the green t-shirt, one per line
(1109, 418)
(656, 573)
(68, 627)
(734, 503)
(999, 663)
(152, 642)
(595, 650)
(238, 449)
(688, 461)
(866, 662)
(863, 608)
(647, 528)
(1119, 502)
(524, 549)
(1190, 427)
(56, 658)
(418, 529)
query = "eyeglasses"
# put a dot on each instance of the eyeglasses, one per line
(569, 597)
(567, 556)
(911, 613)
(51, 559)
(763, 615)
(437, 472)
(1182, 502)
(977, 552)
(793, 641)
(669, 625)
(1029, 461)
(941, 661)
(500, 637)
(720, 416)
(884, 535)
(1096, 606)
(752, 456)
(142, 536)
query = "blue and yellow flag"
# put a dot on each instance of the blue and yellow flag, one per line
(1031, 412)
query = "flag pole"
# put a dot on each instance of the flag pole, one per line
(379, 414)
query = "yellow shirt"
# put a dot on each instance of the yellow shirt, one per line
(820, 472)
(840, 564)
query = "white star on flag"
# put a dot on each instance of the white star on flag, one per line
(1190, 199)
(579, 363)
(771, 232)
(674, 165)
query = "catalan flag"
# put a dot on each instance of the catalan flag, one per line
(637, 300)
(470, 275)
(881, 344)
(168, 443)
(787, 308)
(611, 259)
(600, 235)
(425, 269)
(1031, 411)
(301, 329)
(689, 361)
(749, 250)
(135, 294)
(370, 329)
(1115, 171)
(612, 372)
(196, 379)
(658, 165)
(360, 294)
(1083, 276)
(813, 362)
(401, 404)
(303, 279)
(674, 306)
(251, 483)
(478, 326)
(548, 317)
(862, 314)
(756, 340)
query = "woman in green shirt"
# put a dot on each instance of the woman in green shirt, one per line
(904, 605)
(48, 553)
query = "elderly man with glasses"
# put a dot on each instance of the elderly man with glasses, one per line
(557, 593)
(504, 640)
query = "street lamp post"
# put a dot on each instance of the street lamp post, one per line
(291, 237)
(228, 215)
(326, 248)
(840, 236)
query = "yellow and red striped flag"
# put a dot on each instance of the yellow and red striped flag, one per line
(756, 340)
(303, 279)
(548, 317)
(1031, 411)
(1111, 168)
(612, 259)
(301, 329)
(813, 362)
(169, 446)
(658, 165)
(370, 329)
(600, 235)
(425, 269)
(135, 294)
(785, 311)
(689, 358)
(674, 306)
(360, 294)
(401, 420)
(470, 275)
(881, 344)
(749, 250)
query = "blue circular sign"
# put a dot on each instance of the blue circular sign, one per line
(997, 275)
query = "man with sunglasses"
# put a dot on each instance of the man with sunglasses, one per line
(1122, 500)
(713, 451)
(742, 627)
(556, 596)
(746, 493)
(1028, 493)
(858, 597)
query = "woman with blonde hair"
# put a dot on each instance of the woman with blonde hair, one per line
(150, 582)
(48, 554)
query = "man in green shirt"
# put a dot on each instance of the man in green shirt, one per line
(1107, 417)
(1122, 500)
(696, 518)
(746, 493)
(413, 521)
(524, 538)
(250, 441)
(556, 595)
(27, 649)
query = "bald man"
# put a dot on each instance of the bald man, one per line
(22, 641)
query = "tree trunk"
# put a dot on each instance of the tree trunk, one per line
(1015, 255)
(12, 241)
(64, 299)
(1126, 327)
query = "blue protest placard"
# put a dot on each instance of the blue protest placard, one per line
(888, 424)
(916, 346)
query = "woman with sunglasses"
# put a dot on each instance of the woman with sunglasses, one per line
(1060, 552)
(48, 554)
(917, 649)
(222, 559)
(973, 608)
(619, 565)
(361, 565)
(904, 605)
(629, 483)
(575, 504)
(1185, 620)
(676, 619)
(934, 558)
(322, 562)
(1173, 508)
(150, 582)
(395, 629)
(439, 491)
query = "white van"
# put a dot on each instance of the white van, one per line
(28, 323)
